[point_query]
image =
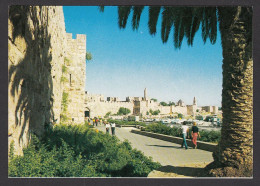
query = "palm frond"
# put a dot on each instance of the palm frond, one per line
(181, 34)
(154, 12)
(101, 8)
(123, 13)
(187, 20)
(167, 23)
(196, 19)
(204, 26)
(176, 32)
(136, 16)
(213, 25)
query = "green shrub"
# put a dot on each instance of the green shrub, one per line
(107, 114)
(64, 79)
(11, 151)
(64, 69)
(156, 112)
(180, 115)
(207, 136)
(79, 151)
(163, 103)
(64, 107)
(123, 111)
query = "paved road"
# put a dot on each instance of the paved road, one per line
(166, 153)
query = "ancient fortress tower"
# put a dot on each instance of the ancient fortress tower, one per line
(46, 72)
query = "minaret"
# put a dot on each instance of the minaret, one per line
(145, 94)
(194, 101)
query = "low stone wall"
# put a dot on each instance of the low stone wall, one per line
(125, 125)
(201, 145)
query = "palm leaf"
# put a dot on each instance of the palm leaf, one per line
(196, 19)
(167, 23)
(181, 33)
(154, 12)
(213, 25)
(101, 8)
(187, 23)
(123, 13)
(136, 16)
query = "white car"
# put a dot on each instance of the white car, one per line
(148, 120)
(166, 121)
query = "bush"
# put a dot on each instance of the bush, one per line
(64, 107)
(78, 151)
(123, 111)
(163, 103)
(207, 136)
(107, 114)
(180, 115)
(156, 112)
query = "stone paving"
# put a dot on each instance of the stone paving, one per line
(166, 153)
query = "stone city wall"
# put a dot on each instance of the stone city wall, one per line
(99, 109)
(36, 49)
(74, 83)
(179, 109)
(212, 109)
(191, 109)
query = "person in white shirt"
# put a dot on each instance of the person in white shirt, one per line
(113, 127)
(185, 130)
(107, 127)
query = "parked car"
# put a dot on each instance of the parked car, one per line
(166, 121)
(148, 120)
(187, 122)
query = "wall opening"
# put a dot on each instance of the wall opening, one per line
(86, 113)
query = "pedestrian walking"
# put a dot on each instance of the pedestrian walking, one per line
(113, 128)
(96, 121)
(195, 134)
(93, 121)
(185, 130)
(107, 127)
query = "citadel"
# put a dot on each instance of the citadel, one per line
(97, 106)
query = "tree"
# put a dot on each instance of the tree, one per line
(155, 100)
(233, 156)
(88, 56)
(180, 116)
(171, 103)
(123, 111)
(156, 112)
(163, 103)
(107, 114)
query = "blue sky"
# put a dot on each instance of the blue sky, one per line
(126, 61)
